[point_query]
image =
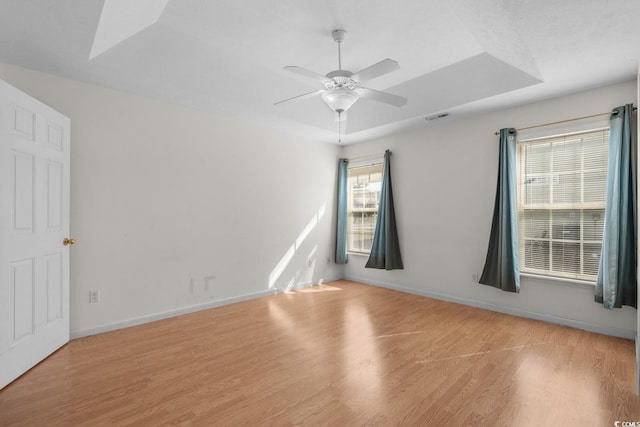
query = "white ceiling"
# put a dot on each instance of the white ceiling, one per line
(227, 56)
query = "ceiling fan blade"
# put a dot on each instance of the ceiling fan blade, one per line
(306, 73)
(301, 97)
(387, 98)
(376, 70)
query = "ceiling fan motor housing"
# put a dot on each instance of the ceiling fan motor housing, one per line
(340, 78)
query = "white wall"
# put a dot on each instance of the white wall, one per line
(165, 198)
(444, 183)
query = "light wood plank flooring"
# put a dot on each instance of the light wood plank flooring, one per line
(342, 354)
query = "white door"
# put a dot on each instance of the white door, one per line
(34, 221)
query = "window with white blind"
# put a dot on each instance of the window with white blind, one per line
(364, 187)
(561, 201)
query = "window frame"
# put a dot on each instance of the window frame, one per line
(582, 209)
(379, 165)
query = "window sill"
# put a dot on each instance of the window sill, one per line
(360, 254)
(559, 280)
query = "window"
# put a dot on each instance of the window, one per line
(364, 188)
(561, 199)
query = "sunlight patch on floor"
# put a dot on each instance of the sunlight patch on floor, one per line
(317, 288)
(399, 334)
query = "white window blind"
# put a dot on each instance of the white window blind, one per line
(364, 188)
(561, 201)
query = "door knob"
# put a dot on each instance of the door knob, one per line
(67, 241)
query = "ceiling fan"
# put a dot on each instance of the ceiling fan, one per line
(342, 88)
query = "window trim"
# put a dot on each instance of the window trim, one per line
(379, 162)
(555, 276)
(362, 254)
(560, 280)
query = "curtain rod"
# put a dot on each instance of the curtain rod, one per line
(568, 120)
(371, 156)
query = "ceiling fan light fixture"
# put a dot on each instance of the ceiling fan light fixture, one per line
(340, 99)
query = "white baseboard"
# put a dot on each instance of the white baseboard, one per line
(616, 332)
(180, 311)
(605, 330)
(190, 309)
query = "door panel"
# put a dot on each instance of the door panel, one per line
(54, 196)
(22, 282)
(54, 137)
(24, 123)
(34, 220)
(22, 192)
(54, 286)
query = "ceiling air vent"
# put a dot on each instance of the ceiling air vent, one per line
(437, 117)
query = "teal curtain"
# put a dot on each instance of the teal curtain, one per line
(385, 249)
(341, 229)
(502, 266)
(616, 284)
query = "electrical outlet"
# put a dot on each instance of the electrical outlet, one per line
(207, 281)
(94, 297)
(475, 277)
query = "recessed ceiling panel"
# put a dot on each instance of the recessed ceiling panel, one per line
(227, 56)
(122, 19)
(479, 77)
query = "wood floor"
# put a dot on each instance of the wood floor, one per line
(342, 354)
